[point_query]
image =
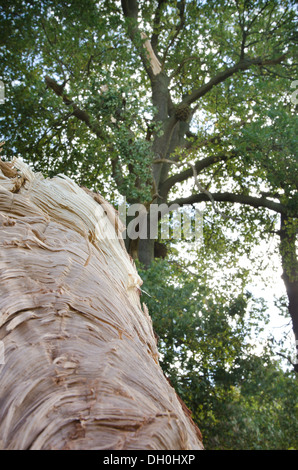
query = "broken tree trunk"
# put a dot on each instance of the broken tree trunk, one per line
(80, 363)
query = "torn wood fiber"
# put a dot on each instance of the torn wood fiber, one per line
(80, 368)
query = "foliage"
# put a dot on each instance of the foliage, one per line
(211, 352)
(214, 129)
(86, 46)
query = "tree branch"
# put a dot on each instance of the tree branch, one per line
(83, 116)
(205, 195)
(156, 23)
(117, 172)
(181, 7)
(155, 66)
(243, 64)
(79, 113)
(188, 173)
(53, 51)
(252, 201)
(287, 358)
(130, 8)
(139, 39)
(197, 183)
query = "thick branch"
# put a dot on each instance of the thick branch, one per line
(79, 113)
(233, 198)
(83, 116)
(188, 173)
(130, 8)
(146, 53)
(222, 76)
(156, 23)
(190, 147)
(117, 172)
(153, 60)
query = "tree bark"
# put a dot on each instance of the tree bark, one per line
(146, 251)
(80, 368)
(290, 272)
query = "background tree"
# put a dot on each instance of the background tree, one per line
(161, 102)
(135, 91)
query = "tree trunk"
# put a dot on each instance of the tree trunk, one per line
(146, 252)
(80, 366)
(290, 272)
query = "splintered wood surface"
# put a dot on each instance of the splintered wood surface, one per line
(80, 367)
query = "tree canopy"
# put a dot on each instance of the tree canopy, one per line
(167, 101)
